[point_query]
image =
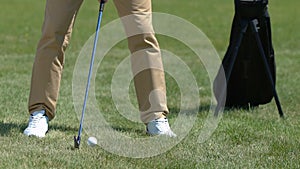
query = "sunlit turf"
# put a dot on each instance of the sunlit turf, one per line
(243, 139)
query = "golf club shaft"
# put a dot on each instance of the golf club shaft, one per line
(90, 71)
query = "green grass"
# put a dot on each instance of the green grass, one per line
(243, 139)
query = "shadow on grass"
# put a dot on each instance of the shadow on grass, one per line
(139, 132)
(202, 109)
(7, 128)
(58, 127)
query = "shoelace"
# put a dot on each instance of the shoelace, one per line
(168, 132)
(34, 120)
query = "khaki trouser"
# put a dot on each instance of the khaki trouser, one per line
(146, 60)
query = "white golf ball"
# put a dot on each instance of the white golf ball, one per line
(92, 141)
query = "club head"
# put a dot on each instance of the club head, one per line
(76, 142)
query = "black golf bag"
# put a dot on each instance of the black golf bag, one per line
(249, 62)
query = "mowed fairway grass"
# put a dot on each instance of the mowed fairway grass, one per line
(243, 139)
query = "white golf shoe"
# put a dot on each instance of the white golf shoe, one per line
(38, 124)
(160, 127)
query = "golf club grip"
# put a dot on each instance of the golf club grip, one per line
(101, 8)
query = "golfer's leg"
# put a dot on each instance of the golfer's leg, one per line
(146, 60)
(49, 59)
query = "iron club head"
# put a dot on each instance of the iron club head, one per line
(76, 142)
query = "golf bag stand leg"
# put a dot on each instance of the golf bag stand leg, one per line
(254, 28)
(233, 52)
